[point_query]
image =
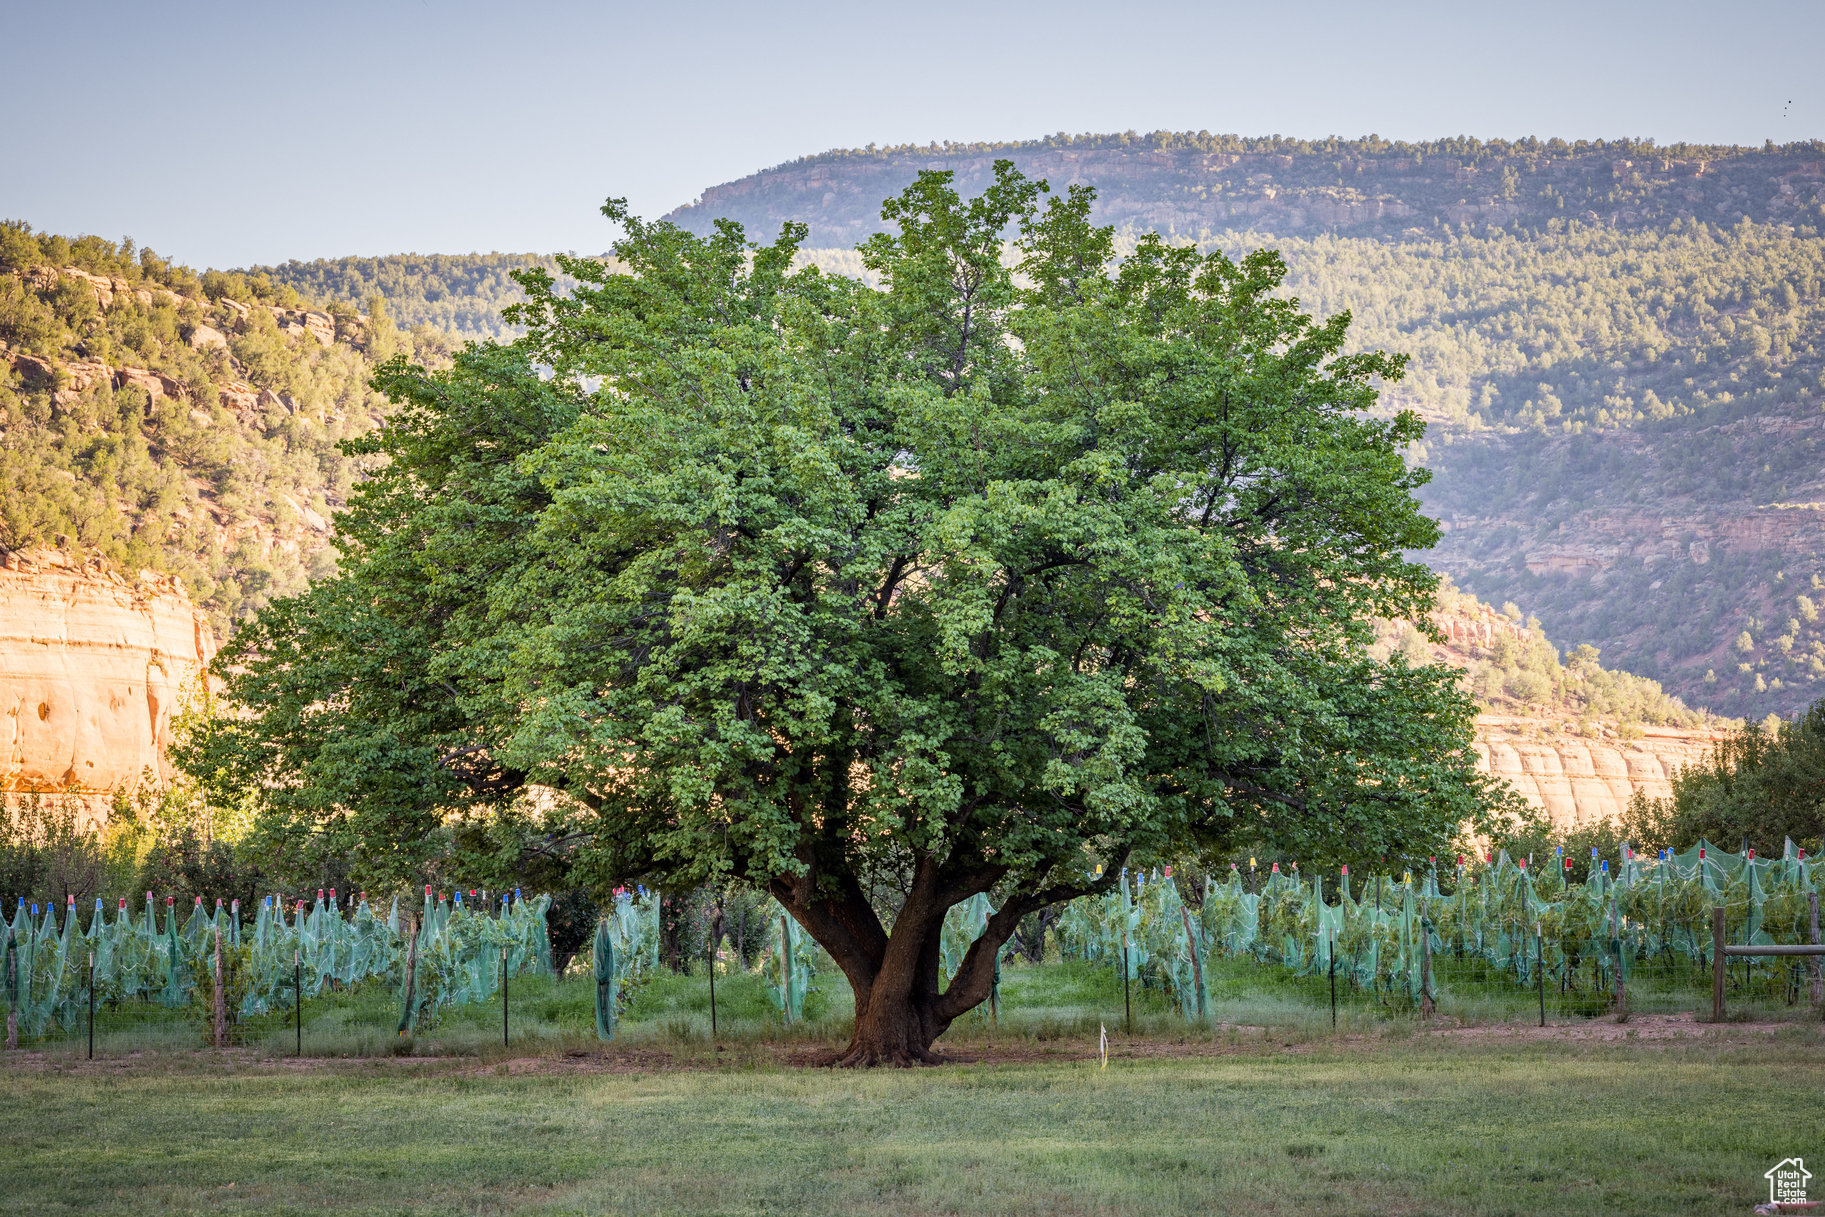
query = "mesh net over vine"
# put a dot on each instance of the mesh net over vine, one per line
(159, 956)
(1496, 921)
(1523, 924)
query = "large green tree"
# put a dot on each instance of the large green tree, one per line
(1763, 787)
(880, 595)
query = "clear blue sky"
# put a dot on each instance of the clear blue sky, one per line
(226, 134)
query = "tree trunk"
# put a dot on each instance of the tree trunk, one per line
(902, 1013)
(1030, 937)
(901, 1005)
(673, 910)
(896, 1014)
(894, 1033)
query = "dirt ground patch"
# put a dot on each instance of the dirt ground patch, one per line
(1636, 1028)
(646, 1058)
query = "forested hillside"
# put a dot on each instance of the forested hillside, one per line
(1511, 667)
(1580, 324)
(1627, 432)
(178, 422)
(461, 294)
(1621, 348)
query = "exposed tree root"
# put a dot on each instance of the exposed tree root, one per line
(859, 1057)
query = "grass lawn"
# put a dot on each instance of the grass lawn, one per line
(1402, 1125)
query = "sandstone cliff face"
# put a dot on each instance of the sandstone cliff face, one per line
(1576, 778)
(1580, 781)
(92, 667)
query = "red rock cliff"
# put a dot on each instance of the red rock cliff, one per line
(92, 667)
(1579, 781)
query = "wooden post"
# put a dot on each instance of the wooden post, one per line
(1717, 964)
(221, 998)
(785, 966)
(1333, 939)
(1540, 967)
(1464, 930)
(1818, 971)
(1127, 1000)
(411, 975)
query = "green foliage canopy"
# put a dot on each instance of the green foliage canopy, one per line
(1765, 785)
(961, 583)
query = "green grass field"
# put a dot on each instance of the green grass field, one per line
(1269, 1110)
(1414, 1126)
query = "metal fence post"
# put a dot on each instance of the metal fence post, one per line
(1540, 968)
(1127, 999)
(297, 979)
(1622, 1008)
(91, 1005)
(12, 990)
(1717, 964)
(503, 997)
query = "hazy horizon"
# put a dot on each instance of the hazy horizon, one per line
(224, 136)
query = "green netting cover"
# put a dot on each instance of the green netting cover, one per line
(1504, 913)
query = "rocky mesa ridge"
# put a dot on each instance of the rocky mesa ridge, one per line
(93, 666)
(1583, 781)
(1191, 184)
(69, 378)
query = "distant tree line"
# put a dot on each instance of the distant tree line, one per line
(460, 294)
(1462, 147)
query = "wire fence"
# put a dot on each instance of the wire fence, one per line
(1495, 942)
(135, 981)
(1727, 935)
